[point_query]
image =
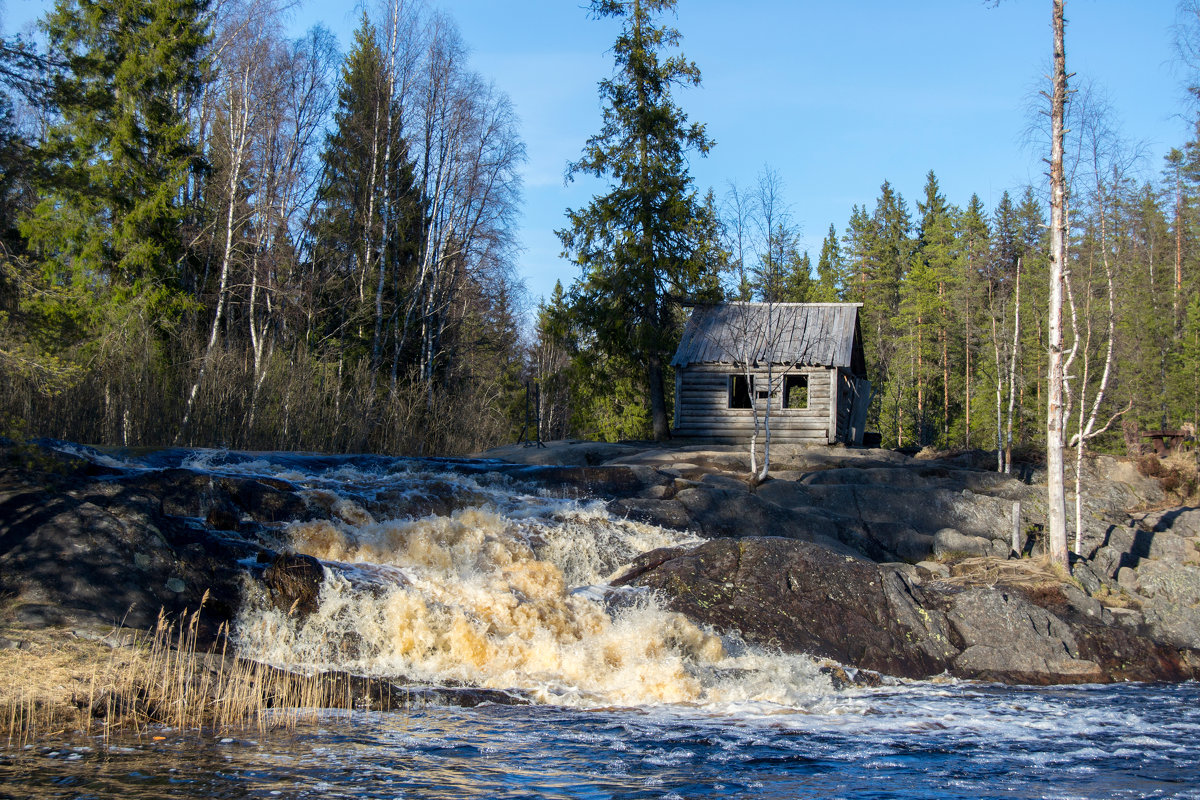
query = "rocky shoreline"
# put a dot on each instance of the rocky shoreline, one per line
(881, 561)
(904, 565)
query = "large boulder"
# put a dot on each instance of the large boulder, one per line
(1006, 637)
(801, 597)
(292, 582)
(83, 546)
(949, 543)
(89, 558)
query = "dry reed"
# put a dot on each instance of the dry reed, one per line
(1025, 573)
(162, 679)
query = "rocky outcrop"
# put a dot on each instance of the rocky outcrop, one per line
(800, 597)
(1152, 563)
(891, 512)
(901, 620)
(828, 558)
(85, 546)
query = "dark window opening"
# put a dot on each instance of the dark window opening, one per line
(739, 392)
(795, 391)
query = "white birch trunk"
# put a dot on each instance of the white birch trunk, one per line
(238, 128)
(1055, 495)
(1012, 369)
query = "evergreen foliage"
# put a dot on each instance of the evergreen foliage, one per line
(191, 226)
(636, 244)
(114, 168)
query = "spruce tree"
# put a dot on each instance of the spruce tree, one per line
(887, 259)
(925, 307)
(368, 225)
(828, 288)
(115, 166)
(1032, 248)
(858, 243)
(798, 284)
(636, 243)
(973, 240)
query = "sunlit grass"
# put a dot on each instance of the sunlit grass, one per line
(153, 680)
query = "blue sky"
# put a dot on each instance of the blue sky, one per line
(835, 96)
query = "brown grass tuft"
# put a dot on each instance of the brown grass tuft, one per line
(1178, 474)
(1023, 573)
(151, 680)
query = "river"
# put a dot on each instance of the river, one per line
(446, 573)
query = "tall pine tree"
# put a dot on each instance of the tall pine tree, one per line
(636, 244)
(828, 288)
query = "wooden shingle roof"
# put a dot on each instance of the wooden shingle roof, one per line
(801, 334)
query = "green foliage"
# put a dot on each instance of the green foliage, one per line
(369, 212)
(269, 307)
(637, 244)
(114, 167)
(830, 281)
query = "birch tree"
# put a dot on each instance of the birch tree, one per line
(1055, 494)
(1104, 160)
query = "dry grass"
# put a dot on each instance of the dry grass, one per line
(149, 681)
(1031, 574)
(1178, 474)
(1116, 598)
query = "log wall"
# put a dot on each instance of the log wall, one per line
(702, 407)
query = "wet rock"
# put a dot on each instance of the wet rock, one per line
(843, 678)
(664, 513)
(266, 500)
(293, 583)
(436, 497)
(223, 517)
(801, 597)
(598, 481)
(798, 596)
(186, 493)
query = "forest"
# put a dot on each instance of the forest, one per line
(214, 234)
(954, 295)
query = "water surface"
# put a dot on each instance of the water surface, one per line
(915, 741)
(440, 571)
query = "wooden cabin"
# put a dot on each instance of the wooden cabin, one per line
(804, 359)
